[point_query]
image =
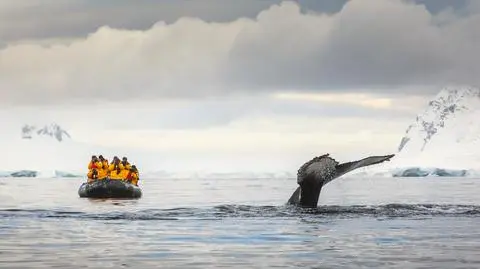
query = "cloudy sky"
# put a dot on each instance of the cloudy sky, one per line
(251, 82)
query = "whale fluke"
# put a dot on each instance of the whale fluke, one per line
(317, 172)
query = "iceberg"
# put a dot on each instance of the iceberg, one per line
(66, 174)
(427, 172)
(24, 173)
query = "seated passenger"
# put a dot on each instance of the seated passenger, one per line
(93, 168)
(103, 171)
(124, 174)
(92, 175)
(115, 169)
(115, 164)
(104, 161)
(132, 176)
(94, 163)
(125, 163)
(115, 161)
(116, 174)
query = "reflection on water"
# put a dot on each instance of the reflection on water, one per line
(214, 223)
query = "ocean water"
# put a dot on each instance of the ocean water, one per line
(242, 223)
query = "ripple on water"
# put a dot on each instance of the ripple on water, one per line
(247, 211)
(48, 226)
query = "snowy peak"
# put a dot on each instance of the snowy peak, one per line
(451, 113)
(52, 130)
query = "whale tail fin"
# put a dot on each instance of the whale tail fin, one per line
(344, 168)
(314, 174)
(295, 198)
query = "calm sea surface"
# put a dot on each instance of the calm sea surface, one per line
(242, 223)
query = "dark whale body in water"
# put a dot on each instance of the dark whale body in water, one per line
(317, 172)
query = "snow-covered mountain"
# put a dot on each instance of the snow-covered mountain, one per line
(47, 149)
(447, 133)
(444, 138)
(452, 117)
(52, 130)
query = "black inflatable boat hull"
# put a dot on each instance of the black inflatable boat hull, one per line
(109, 189)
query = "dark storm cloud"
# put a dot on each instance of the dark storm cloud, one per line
(35, 19)
(74, 18)
(368, 45)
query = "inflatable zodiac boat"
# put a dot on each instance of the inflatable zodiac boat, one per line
(108, 188)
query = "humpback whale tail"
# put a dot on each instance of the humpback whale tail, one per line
(317, 172)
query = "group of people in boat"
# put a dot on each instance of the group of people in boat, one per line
(99, 168)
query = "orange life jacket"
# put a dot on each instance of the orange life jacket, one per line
(132, 177)
(94, 165)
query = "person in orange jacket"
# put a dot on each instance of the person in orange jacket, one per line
(104, 161)
(115, 169)
(132, 176)
(125, 163)
(93, 168)
(103, 171)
